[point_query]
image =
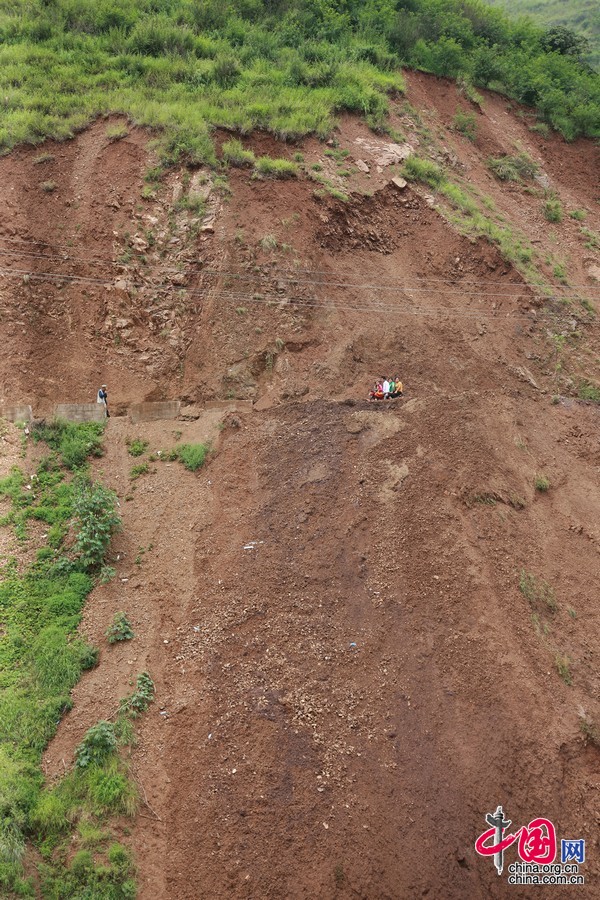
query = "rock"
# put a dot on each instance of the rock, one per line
(208, 227)
(525, 375)
(200, 187)
(399, 183)
(594, 272)
(362, 166)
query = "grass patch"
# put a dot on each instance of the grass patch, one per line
(541, 483)
(563, 667)
(41, 654)
(417, 169)
(288, 67)
(116, 132)
(235, 154)
(578, 214)
(588, 391)
(275, 168)
(592, 238)
(513, 168)
(139, 470)
(48, 187)
(465, 124)
(537, 591)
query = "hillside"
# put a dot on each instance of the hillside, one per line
(583, 16)
(363, 621)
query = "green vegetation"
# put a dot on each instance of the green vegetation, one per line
(552, 210)
(136, 446)
(95, 518)
(592, 238)
(563, 667)
(234, 153)
(588, 391)
(120, 630)
(417, 169)
(98, 787)
(469, 218)
(578, 214)
(275, 168)
(73, 443)
(537, 591)
(116, 132)
(41, 655)
(141, 469)
(288, 66)
(582, 16)
(513, 168)
(541, 483)
(193, 456)
(465, 123)
(590, 731)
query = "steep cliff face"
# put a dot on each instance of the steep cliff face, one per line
(331, 610)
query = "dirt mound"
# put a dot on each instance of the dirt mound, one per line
(348, 676)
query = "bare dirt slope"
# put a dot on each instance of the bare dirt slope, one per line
(348, 677)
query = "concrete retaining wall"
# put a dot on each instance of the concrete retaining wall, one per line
(80, 412)
(151, 412)
(16, 413)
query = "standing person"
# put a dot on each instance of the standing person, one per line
(103, 398)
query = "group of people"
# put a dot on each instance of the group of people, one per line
(386, 389)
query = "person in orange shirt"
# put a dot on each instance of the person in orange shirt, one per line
(398, 390)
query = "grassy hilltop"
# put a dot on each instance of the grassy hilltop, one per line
(284, 65)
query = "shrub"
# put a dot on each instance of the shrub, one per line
(96, 519)
(192, 456)
(541, 483)
(136, 447)
(235, 154)
(99, 743)
(578, 214)
(553, 210)
(141, 698)
(275, 168)
(48, 187)
(120, 630)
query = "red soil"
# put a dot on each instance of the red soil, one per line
(348, 677)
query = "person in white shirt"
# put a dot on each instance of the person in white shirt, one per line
(102, 398)
(386, 388)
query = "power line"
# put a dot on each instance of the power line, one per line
(277, 298)
(291, 274)
(328, 283)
